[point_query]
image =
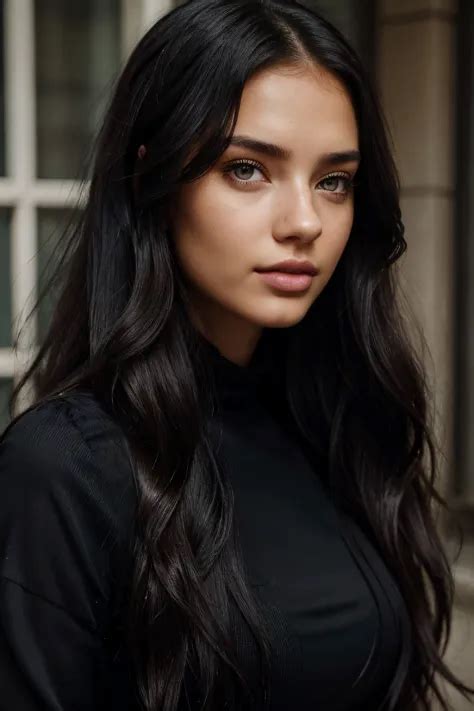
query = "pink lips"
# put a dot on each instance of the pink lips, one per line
(286, 281)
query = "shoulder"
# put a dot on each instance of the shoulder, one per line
(65, 441)
(77, 415)
(67, 498)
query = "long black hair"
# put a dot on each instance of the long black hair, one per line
(355, 384)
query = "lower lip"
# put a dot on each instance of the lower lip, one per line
(286, 281)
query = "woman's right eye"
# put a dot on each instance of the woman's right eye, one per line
(244, 166)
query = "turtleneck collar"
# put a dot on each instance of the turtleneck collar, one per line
(257, 390)
(239, 386)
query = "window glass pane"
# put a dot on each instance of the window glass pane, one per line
(2, 93)
(6, 386)
(51, 224)
(77, 58)
(5, 280)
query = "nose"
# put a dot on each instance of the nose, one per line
(297, 217)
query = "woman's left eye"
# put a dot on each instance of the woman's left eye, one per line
(335, 179)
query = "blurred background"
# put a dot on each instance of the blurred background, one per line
(58, 62)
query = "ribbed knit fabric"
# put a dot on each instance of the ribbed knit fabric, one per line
(341, 628)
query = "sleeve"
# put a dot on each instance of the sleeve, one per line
(58, 536)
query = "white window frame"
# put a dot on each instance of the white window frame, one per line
(22, 191)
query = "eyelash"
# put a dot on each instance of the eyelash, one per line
(349, 182)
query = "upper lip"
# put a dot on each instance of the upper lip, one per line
(292, 266)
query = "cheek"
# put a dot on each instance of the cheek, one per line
(209, 247)
(337, 236)
(212, 229)
(194, 228)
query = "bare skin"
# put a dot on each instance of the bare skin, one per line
(300, 206)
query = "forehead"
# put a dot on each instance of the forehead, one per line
(296, 105)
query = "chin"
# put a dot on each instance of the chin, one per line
(282, 319)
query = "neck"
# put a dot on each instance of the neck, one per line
(234, 337)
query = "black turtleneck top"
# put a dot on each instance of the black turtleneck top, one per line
(340, 631)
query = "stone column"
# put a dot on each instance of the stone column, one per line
(416, 70)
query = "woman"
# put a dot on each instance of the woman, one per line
(218, 499)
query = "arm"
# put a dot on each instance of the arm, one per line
(59, 545)
(48, 659)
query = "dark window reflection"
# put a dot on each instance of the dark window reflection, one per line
(52, 223)
(77, 59)
(5, 280)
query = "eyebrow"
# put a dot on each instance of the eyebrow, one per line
(274, 151)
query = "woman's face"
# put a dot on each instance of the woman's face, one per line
(256, 207)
